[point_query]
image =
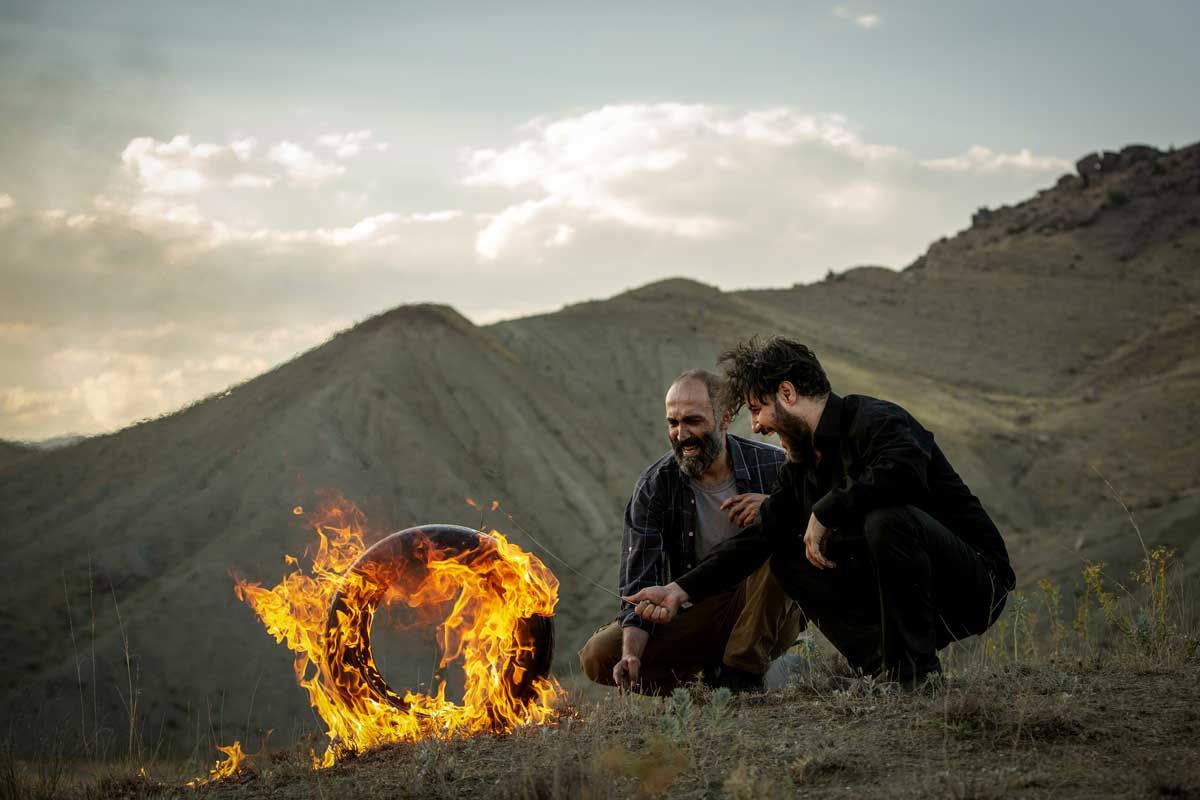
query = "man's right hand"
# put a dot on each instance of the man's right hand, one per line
(658, 603)
(743, 508)
(628, 672)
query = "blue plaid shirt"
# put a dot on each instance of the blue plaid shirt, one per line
(660, 520)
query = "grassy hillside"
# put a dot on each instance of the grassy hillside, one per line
(1049, 344)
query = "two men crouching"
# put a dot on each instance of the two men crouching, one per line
(868, 528)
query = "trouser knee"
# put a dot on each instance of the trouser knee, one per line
(596, 661)
(884, 527)
(590, 663)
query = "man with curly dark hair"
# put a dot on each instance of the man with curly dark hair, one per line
(870, 530)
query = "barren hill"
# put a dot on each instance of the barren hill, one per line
(11, 451)
(1047, 339)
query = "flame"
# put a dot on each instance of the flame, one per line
(234, 758)
(493, 590)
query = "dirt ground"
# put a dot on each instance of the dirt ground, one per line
(1010, 731)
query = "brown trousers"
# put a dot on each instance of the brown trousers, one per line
(746, 629)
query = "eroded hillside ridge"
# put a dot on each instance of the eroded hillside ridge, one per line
(1156, 191)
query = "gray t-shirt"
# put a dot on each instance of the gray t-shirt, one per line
(712, 524)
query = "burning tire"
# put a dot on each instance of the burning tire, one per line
(419, 565)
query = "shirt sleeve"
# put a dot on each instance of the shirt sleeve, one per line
(642, 548)
(895, 452)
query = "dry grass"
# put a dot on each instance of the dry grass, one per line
(1039, 728)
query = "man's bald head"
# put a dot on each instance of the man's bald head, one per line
(712, 388)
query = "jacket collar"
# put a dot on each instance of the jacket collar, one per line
(829, 427)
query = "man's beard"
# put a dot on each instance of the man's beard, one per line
(795, 435)
(709, 450)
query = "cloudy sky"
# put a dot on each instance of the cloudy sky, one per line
(193, 192)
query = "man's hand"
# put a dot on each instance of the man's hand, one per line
(658, 603)
(628, 672)
(814, 543)
(743, 508)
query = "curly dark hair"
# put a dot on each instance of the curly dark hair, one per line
(756, 368)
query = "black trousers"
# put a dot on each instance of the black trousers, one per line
(904, 587)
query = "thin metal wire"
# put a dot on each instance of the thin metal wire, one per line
(554, 555)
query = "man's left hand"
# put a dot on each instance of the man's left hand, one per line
(815, 539)
(658, 603)
(628, 672)
(743, 508)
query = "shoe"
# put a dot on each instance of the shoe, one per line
(784, 668)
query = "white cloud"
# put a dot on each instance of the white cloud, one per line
(190, 230)
(984, 160)
(20, 400)
(701, 172)
(303, 166)
(6, 202)
(351, 143)
(123, 376)
(361, 231)
(172, 167)
(614, 164)
(178, 167)
(244, 148)
(435, 216)
(376, 229)
(131, 385)
(561, 236)
(161, 210)
(509, 223)
(867, 21)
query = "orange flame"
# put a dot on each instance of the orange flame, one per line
(234, 758)
(494, 589)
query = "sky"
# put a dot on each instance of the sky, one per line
(191, 193)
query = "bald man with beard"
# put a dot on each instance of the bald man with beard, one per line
(707, 488)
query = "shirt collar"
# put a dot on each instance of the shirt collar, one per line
(741, 473)
(830, 424)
